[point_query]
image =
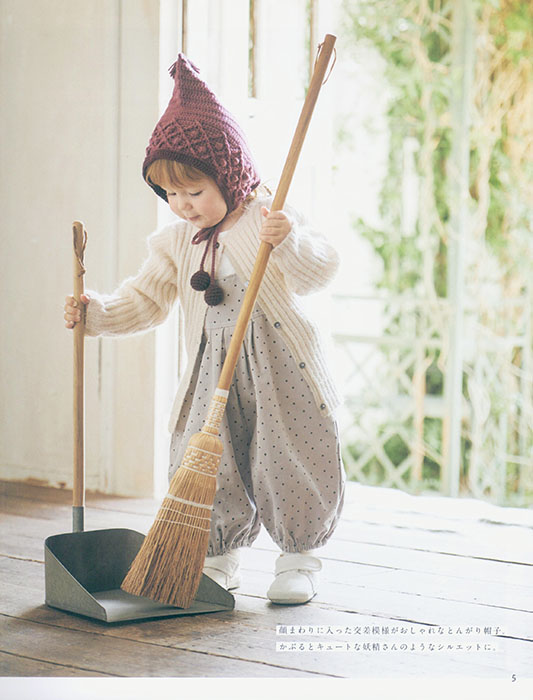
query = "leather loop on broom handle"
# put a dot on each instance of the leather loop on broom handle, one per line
(78, 490)
(322, 62)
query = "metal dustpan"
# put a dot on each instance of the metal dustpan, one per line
(84, 570)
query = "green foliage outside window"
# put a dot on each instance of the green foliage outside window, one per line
(415, 40)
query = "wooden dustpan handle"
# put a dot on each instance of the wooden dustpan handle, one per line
(78, 490)
(322, 62)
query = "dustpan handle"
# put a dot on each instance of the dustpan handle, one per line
(322, 62)
(78, 488)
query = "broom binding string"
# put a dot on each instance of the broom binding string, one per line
(215, 412)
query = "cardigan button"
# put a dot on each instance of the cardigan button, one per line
(217, 245)
(302, 365)
(322, 406)
(277, 324)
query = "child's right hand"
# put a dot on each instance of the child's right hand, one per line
(73, 311)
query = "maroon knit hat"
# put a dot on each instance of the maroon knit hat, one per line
(197, 130)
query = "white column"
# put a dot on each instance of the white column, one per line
(462, 71)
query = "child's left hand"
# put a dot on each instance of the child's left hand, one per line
(276, 227)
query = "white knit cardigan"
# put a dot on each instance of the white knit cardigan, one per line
(303, 263)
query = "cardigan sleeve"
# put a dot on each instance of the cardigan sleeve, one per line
(142, 301)
(306, 259)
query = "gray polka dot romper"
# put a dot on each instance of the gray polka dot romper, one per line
(281, 465)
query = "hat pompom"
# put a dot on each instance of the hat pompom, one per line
(200, 281)
(213, 295)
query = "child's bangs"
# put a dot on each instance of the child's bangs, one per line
(170, 173)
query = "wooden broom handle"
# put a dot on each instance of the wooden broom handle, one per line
(322, 62)
(78, 490)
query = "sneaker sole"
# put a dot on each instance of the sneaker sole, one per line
(291, 602)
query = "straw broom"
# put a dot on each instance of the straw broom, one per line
(168, 567)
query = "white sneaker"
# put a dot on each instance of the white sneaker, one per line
(224, 569)
(296, 579)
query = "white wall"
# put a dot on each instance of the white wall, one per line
(79, 101)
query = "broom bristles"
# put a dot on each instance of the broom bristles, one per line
(168, 566)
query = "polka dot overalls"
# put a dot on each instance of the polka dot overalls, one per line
(281, 465)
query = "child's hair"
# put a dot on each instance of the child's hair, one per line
(171, 173)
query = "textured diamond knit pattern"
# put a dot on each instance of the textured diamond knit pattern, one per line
(198, 130)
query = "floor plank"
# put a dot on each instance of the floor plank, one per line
(95, 652)
(250, 633)
(396, 561)
(11, 665)
(505, 604)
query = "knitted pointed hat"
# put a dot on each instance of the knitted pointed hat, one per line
(197, 130)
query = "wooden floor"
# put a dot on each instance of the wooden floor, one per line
(412, 587)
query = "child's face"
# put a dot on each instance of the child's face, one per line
(201, 202)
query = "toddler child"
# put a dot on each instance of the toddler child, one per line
(281, 465)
